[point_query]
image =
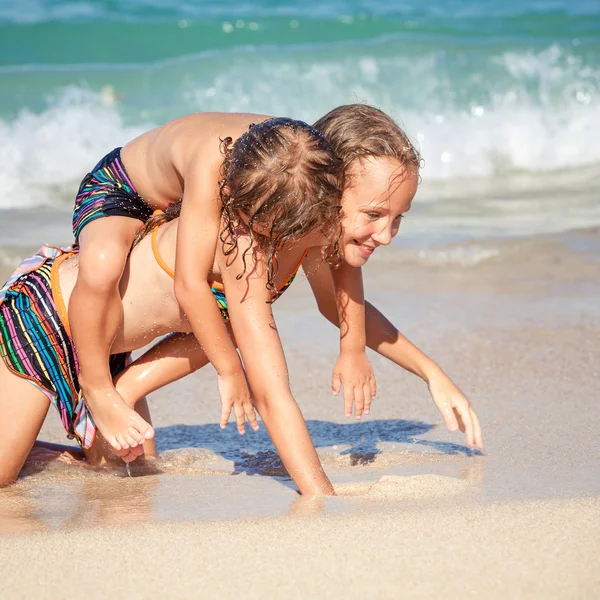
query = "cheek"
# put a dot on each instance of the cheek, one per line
(355, 226)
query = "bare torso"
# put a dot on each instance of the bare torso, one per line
(157, 160)
(150, 309)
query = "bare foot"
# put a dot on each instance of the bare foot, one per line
(121, 426)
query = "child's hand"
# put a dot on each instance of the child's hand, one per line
(456, 409)
(235, 395)
(353, 371)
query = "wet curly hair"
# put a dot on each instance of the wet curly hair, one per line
(284, 176)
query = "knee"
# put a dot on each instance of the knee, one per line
(101, 267)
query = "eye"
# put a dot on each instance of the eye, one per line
(373, 215)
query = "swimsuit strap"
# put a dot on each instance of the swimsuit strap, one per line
(161, 263)
(215, 284)
(291, 276)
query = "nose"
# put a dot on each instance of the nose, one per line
(384, 237)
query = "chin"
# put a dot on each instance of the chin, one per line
(353, 257)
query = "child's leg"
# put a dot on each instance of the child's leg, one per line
(169, 360)
(95, 315)
(23, 409)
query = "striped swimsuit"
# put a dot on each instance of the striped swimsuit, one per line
(108, 192)
(35, 340)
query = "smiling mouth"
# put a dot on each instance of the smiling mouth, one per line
(365, 250)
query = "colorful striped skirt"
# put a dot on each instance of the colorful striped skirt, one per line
(35, 342)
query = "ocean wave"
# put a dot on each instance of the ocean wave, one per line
(509, 113)
(44, 156)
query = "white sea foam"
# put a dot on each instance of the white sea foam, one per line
(44, 156)
(541, 116)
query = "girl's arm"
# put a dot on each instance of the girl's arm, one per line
(197, 238)
(352, 370)
(259, 343)
(384, 338)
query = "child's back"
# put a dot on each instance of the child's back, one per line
(159, 160)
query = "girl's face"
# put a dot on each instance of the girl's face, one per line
(379, 195)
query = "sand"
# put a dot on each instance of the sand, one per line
(518, 330)
(533, 549)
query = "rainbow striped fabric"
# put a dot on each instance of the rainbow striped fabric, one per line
(35, 343)
(106, 192)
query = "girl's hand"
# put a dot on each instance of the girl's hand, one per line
(456, 409)
(235, 395)
(353, 371)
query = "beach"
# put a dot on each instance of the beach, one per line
(495, 274)
(219, 514)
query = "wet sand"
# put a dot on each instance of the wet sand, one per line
(516, 324)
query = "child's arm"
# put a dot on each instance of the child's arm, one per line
(352, 370)
(384, 338)
(180, 354)
(197, 238)
(259, 343)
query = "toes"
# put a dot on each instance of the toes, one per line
(122, 442)
(136, 436)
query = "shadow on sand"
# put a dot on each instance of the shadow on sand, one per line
(254, 454)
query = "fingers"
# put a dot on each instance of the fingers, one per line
(132, 454)
(239, 418)
(348, 401)
(336, 384)
(373, 386)
(361, 397)
(464, 413)
(449, 418)
(251, 415)
(477, 433)
(359, 402)
(225, 413)
(368, 393)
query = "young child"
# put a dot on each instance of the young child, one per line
(35, 338)
(379, 191)
(184, 160)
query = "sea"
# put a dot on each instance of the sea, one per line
(501, 97)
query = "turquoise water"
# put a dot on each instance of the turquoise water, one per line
(491, 91)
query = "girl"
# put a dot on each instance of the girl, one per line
(381, 174)
(183, 160)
